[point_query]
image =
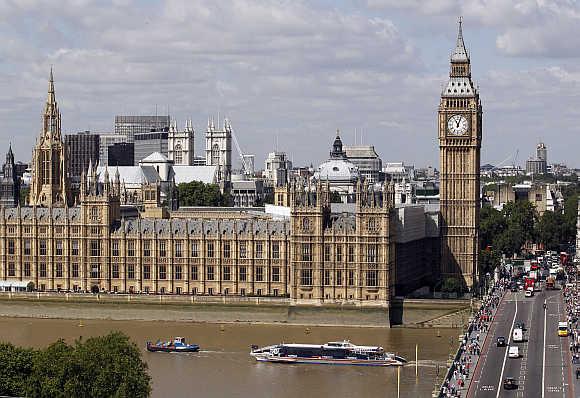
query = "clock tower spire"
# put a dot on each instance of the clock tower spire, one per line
(460, 115)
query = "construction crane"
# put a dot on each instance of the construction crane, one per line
(513, 156)
(245, 167)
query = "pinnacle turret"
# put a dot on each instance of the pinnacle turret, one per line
(460, 53)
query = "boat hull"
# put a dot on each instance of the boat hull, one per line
(329, 361)
(154, 348)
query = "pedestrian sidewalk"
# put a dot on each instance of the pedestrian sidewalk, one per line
(473, 343)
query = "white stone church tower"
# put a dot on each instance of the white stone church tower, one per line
(218, 149)
(181, 145)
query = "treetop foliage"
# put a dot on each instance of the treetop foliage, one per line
(197, 193)
(105, 366)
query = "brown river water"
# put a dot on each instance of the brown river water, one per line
(223, 367)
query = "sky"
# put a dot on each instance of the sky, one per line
(289, 73)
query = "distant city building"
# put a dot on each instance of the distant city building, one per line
(151, 142)
(131, 125)
(427, 173)
(398, 171)
(545, 197)
(246, 192)
(121, 154)
(105, 141)
(218, 149)
(539, 164)
(366, 159)
(536, 166)
(404, 192)
(181, 144)
(20, 168)
(9, 183)
(542, 152)
(427, 192)
(248, 166)
(277, 168)
(83, 148)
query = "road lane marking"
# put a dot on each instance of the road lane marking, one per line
(506, 351)
(544, 352)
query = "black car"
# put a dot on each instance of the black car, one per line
(514, 288)
(501, 341)
(520, 325)
(509, 383)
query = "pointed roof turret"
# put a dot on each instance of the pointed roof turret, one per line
(460, 53)
(51, 98)
(10, 155)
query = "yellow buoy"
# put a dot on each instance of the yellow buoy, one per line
(81, 323)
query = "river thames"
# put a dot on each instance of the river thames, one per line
(223, 367)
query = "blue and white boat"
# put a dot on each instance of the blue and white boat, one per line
(178, 344)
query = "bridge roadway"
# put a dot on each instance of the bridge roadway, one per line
(543, 369)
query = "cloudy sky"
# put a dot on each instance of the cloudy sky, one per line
(290, 72)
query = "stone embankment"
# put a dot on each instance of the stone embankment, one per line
(214, 309)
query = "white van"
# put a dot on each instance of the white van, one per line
(514, 352)
(518, 335)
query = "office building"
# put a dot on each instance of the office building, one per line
(131, 125)
(83, 149)
(121, 154)
(151, 142)
(105, 141)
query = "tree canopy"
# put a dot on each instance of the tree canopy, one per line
(507, 231)
(197, 193)
(106, 366)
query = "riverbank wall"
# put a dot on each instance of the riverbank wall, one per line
(204, 309)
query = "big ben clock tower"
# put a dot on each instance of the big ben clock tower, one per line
(459, 150)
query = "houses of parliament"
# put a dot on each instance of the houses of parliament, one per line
(365, 251)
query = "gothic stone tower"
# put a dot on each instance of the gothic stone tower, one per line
(218, 149)
(181, 144)
(49, 186)
(460, 116)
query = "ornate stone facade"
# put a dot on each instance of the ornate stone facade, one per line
(341, 256)
(49, 186)
(181, 145)
(313, 257)
(9, 183)
(460, 115)
(218, 149)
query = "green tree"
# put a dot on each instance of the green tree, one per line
(106, 366)
(492, 223)
(489, 260)
(15, 369)
(197, 193)
(551, 230)
(521, 215)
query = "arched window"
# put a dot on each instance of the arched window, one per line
(215, 155)
(178, 154)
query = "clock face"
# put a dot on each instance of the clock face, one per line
(457, 125)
